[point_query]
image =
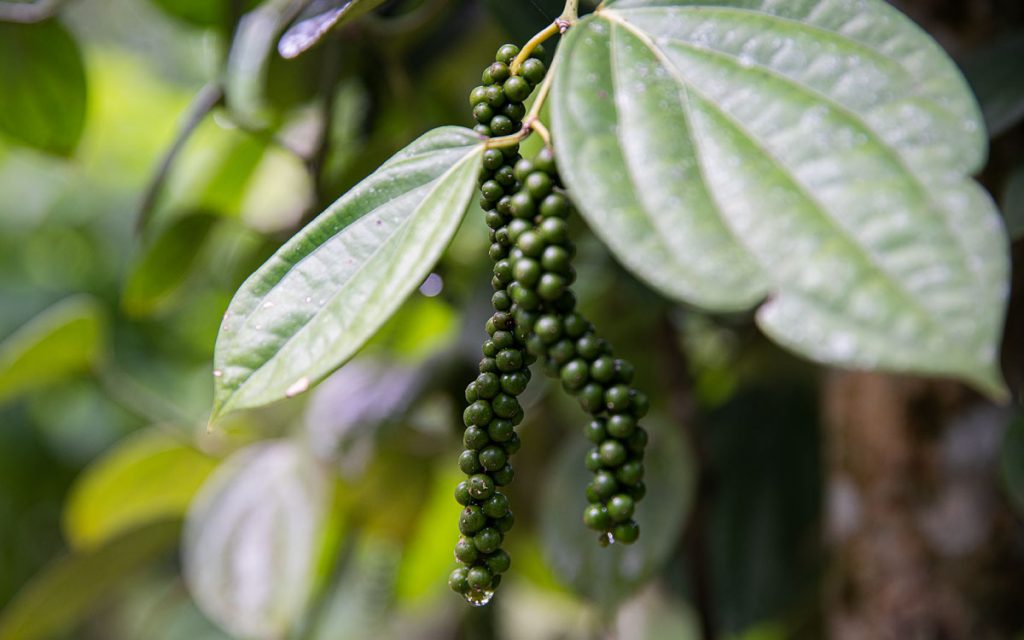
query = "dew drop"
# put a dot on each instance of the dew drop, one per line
(217, 373)
(268, 305)
(309, 299)
(606, 539)
(297, 387)
(479, 598)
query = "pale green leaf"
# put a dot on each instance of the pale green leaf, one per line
(325, 292)
(609, 575)
(63, 340)
(252, 539)
(149, 476)
(42, 81)
(813, 153)
(318, 20)
(70, 588)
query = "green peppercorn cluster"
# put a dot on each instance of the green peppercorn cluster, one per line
(541, 271)
(493, 410)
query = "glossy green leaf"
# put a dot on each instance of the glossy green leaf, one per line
(62, 340)
(149, 476)
(814, 153)
(42, 82)
(318, 20)
(252, 538)
(995, 75)
(165, 265)
(327, 290)
(70, 588)
(1013, 203)
(609, 575)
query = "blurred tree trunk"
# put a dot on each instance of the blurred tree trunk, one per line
(924, 545)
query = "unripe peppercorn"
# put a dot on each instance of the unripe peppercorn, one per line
(595, 516)
(621, 425)
(620, 507)
(492, 458)
(496, 506)
(478, 578)
(487, 540)
(612, 454)
(469, 462)
(533, 70)
(481, 486)
(498, 562)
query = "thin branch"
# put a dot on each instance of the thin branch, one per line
(550, 31)
(204, 102)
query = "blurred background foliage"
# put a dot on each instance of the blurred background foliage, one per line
(152, 154)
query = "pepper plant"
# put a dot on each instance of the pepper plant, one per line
(810, 159)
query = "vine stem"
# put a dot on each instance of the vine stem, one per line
(528, 48)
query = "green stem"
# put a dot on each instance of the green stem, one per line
(528, 48)
(570, 13)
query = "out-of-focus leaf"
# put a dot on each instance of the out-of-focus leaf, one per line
(42, 81)
(816, 153)
(202, 13)
(70, 588)
(354, 401)
(424, 570)
(149, 476)
(1012, 459)
(764, 457)
(79, 419)
(63, 340)
(1013, 203)
(214, 171)
(165, 265)
(327, 290)
(421, 327)
(318, 19)
(608, 575)
(252, 537)
(280, 192)
(995, 75)
(654, 615)
(360, 599)
(250, 57)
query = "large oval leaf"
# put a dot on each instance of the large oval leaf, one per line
(251, 539)
(43, 103)
(814, 152)
(324, 293)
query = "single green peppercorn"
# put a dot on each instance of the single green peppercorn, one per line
(481, 486)
(537, 184)
(638, 441)
(593, 459)
(514, 110)
(498, 72)
(494, 96)
(471, 520)
(478, 578)
(516, 89)
(595, 516)
(576, 325)
(554, 205)
(515, 382)
(502, 125)
(504, 525)
(551, 286)
(483, 113)
(462, 493)
(555, 259)
(503, 476)
(630, 472)
(469, 462)
(500, 430)
(492, 458)
(475, 438)
(533, 70)
(595, 431)
(466, 551)
(624, 371)
(574, 375)
(478, 414)
(621, 425)
(620, 507)
(491, 190)
(504, 177)
(498, 562)
(477, 95)
(527, 272)
(496, 506)
(504, 405)
(591, 397)
(522, 205)
(458, 580)
(507, 53)
(548, 328)
(561, 352)
(612, 455)
(626, 532)
(509, 360)
(604, 483)
(589, 346)
(487, 540)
